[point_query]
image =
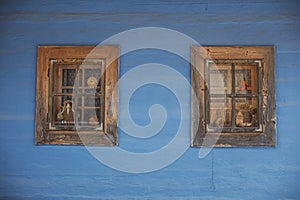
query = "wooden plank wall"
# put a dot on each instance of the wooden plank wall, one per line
(70, 172)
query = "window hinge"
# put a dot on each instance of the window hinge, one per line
(51, 61)
(100, 128)
(259, 63)
(51, 127)
(49, 123)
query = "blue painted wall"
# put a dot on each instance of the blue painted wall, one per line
(70, 172)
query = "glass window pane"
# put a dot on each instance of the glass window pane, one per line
(220, 78)
(64, 76)
(91, 117)
(91, 101)
(246, 112)
(220, 112)
(91, 77)
(246, 78)
(68, 77)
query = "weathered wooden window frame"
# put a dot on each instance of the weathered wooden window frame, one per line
(108, 135)
(265, 137)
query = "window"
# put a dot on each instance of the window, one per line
(235, 90)
(77, 95)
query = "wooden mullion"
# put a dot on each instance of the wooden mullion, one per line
(102, 92)
(207, 92)
(82, 91)
(259, 92)
(233, 100)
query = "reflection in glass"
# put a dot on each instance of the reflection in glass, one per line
(220, 112)
(220, 79)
